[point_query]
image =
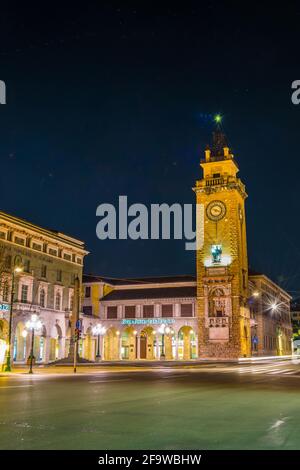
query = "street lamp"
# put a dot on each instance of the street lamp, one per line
(274, 306)
(33, 324)
(17, 268)
(98, 330)
(163, 329)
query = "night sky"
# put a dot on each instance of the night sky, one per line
(105, 99)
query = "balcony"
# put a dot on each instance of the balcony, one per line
(218, 322)
(214, 181)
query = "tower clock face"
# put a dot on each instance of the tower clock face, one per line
(216, 210)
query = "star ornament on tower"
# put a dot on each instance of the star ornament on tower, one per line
(218, 118)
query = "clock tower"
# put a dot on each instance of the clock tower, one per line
(222, 264)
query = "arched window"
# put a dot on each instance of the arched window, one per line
(58, 301)
(42, 298)
(217, 303)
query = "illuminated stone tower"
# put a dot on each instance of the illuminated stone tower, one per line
(222, 264)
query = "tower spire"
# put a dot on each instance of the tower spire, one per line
(219, 149)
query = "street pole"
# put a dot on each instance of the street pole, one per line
(75, 355)
(98, 347)
(31, 352)
(7, 367)
(163, 346)
(76, 319)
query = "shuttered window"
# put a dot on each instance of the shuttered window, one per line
(148, 311)
(167, 310)
(129, 311)
(112, 312)
(186, 310)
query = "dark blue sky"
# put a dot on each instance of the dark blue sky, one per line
(108, 99)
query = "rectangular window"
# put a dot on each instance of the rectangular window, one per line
(87, 310)
(167, 310)
(3, 235)
(129, 311)
(186, 310)
(44, 271)
(19, 241)
(36, 246)
(52, 252)
(67, 257)
(59, 275)
(26, 266)
(87, 293)
(8, 261)
(78, 260)
(112, 312)
(24, 293)
(148, 311)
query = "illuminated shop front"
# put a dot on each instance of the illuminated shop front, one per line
(162, 339)
(153, 322)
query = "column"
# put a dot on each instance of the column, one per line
(197, 346)
(102, 347)
(120, 346)
(176, 347)
(62, 348)
(157, 348)
(138, 346)
(47, 349)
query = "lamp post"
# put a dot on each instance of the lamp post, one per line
(98, 330)
(163, 329)
(17, 268)
(33, 324)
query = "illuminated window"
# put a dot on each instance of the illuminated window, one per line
(216, 252)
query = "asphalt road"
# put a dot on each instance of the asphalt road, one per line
(210, 406)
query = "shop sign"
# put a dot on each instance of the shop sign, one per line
(148, 321)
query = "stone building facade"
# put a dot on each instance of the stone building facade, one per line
(131, 313)
(270, 317)
(222, 263)
(49, 261)
(224, 312)
(226, 321)
(143, 318)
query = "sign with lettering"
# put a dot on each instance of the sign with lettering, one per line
(4, 307)
(147, 321)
